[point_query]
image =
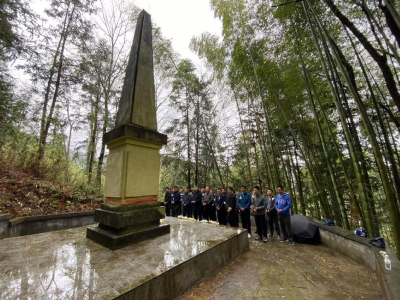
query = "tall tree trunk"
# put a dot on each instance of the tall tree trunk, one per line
(381, 60)
(347, 72)
(364, 195)
(244, 137)
(49, 118)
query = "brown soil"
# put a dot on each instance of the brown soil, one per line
(22, 194)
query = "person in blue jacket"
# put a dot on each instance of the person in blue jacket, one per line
(244, 202)
(283, 203)
(176, 202)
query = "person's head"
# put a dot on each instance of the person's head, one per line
(219, 191)
(196, 188)
(223, 191)
(175, 189)
(186, 191)
(207, 189)
(181, 190)
(270, 192)
(167, 189)
(230, 190)
(280, 189)
(256, 190)
(243, 189)
(211, 191)
(202, 190)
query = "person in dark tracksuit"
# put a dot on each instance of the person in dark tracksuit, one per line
(208, 201)
(197, 202)
(167, 201)
(187, 204)
(221, 209)
(258, 208)
(283, 203)
(244, 202)
(176, 202)
(232, 208)
(272, 215)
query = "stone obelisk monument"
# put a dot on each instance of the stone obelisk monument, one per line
(131, 212)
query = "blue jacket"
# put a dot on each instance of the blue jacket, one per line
(176, 198)
(244, 201)
(284, 203)
(187, 198)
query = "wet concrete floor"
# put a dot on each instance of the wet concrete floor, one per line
(276, 270)
(65, 265)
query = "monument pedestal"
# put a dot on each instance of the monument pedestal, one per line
(131, 212)
(122, 225)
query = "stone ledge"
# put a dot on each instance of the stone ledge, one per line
(359, 249)
(5, 217)
(136, 132)
(18, 220)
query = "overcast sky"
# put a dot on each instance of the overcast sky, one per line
(180, 20)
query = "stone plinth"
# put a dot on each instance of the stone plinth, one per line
(122, 225)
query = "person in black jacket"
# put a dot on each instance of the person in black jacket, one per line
(272, 214)
(232, 209)
(167, 201)
(220, 203)
(176, 202)
(187, 205)
(197, 202)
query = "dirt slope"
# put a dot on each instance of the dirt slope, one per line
(21, 194)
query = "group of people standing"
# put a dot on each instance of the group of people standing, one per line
(225, 206)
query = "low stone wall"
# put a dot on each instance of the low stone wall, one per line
(359, 249)
(4, 219)
(39, 224)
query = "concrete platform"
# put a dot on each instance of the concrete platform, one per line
(66, 265)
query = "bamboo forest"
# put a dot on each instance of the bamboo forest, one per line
(302, 93)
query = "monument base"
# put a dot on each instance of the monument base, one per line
(122, 225)
(114, 241)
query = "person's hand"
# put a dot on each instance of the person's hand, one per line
(165, 203)
(204, 204)
(193, 202)
(184, 204)
(255, 210)
(213, 204)
(172, 202)
(242, 209)
(229, 209)
(280, 211)
(218, 208)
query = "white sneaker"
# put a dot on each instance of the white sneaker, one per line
(265, 240)
(249, 236)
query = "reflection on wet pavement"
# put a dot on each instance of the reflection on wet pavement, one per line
(66, 265)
